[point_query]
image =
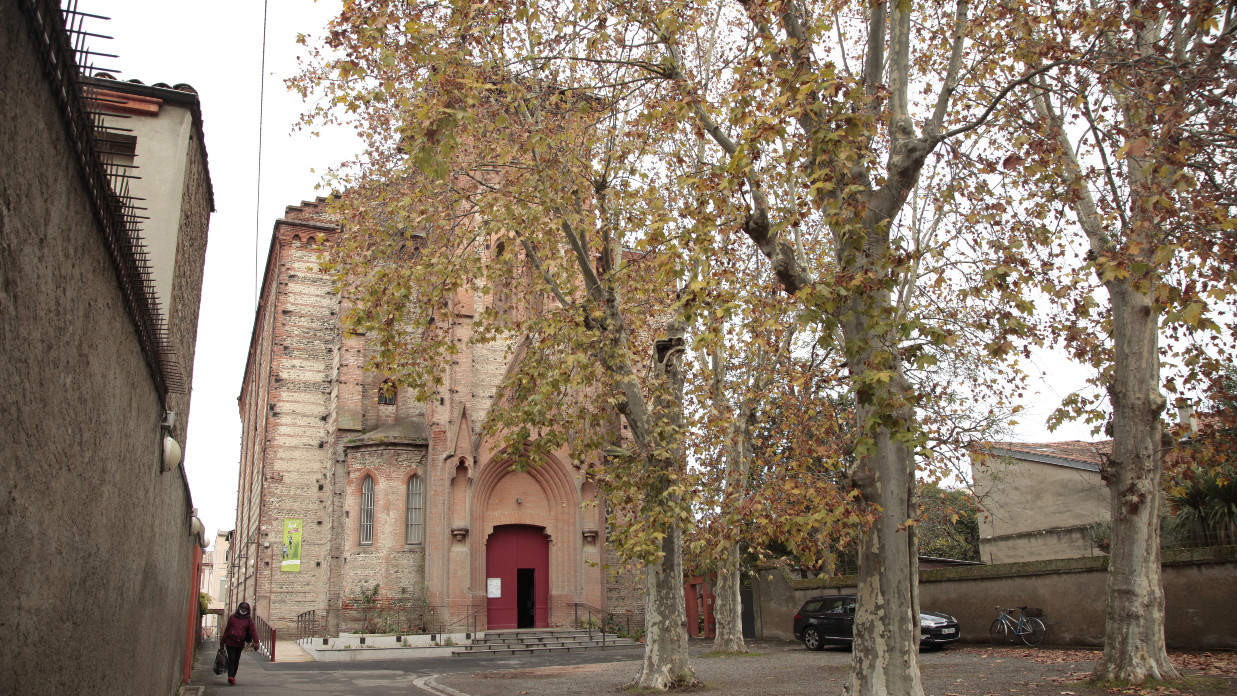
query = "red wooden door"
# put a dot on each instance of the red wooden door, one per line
(510, 549)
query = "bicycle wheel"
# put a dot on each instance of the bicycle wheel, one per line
(1034, 634)
(999, 633)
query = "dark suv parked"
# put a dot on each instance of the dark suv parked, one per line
(831, 620)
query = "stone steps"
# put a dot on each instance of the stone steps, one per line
(538, 641)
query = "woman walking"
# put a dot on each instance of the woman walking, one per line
(239, 631)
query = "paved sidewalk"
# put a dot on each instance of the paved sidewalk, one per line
(259, 677)
(776, 668)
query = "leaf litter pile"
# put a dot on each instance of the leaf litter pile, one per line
(1207, 664)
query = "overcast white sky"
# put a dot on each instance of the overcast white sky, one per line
(217, 48)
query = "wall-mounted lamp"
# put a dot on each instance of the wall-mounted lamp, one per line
(171, 453)
(171, 448)
(197, 529)
(518, 501)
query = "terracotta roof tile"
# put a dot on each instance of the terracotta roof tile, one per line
(1074, 450)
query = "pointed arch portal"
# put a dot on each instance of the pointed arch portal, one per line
(517, 571)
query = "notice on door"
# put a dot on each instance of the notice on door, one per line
(493, 588)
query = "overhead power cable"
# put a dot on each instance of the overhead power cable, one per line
(257, 205)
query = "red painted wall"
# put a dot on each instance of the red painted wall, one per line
(195, 586)
(697, 592)
(509, 548)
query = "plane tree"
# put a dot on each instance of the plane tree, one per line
(1132, 146)
(775, 432)
(486, 188)
(574, 129)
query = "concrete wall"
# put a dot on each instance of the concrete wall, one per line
(162, 143)
(96, 542)
(1198, 588)
(1036, 511)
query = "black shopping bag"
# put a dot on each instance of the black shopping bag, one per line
(221, 660)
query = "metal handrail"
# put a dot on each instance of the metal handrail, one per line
(471, 615)
(602, 618)
(306, 624)
(411, 619)
(605, 619)
(266, 637)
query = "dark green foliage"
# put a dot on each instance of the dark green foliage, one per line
(1201, 480)
(949, 523)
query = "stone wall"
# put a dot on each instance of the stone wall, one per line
(96, 542)
(1198, 588)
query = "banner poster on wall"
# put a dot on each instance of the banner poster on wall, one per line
(291, 561)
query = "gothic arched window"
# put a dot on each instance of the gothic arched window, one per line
(386, 393)
(416, 511)
(367, 511)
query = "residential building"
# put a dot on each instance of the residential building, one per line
(215, 581)
(1039, 500)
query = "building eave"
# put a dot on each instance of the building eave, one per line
(1043, 459)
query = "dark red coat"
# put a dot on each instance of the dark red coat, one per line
(239, 631)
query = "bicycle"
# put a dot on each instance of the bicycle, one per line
(1028, 626)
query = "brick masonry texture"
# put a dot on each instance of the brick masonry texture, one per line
(313, 431)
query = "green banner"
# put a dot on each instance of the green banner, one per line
(291, 561)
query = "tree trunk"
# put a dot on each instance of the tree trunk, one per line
(885, 656)
(727, 608)
(665, 663)
(666, 660)
(1134, 648)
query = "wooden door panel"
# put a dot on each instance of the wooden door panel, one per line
(510, 548)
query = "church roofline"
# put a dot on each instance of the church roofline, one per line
(409, 431)
(266, 277)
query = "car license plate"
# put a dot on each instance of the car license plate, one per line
(946, 631)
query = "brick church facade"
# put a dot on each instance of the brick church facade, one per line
(390, 491)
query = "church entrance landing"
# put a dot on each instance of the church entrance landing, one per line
(517, 571)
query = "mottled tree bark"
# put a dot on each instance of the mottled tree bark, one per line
(885, 659)
(665, 663)
(727, 607)
(885, 655)
(1134, 649)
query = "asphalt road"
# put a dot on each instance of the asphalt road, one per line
(259, 677)
(775, 668)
